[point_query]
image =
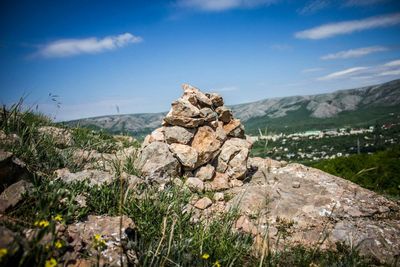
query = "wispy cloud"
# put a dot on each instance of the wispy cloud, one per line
(352, 53)
(312, 70)
(391, 68)
(342, 73)
(227, 89)
(221, 5)
(394, 63)
(313, 6)
(92, 45)
(350, 26)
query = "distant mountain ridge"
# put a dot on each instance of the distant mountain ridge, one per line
(281, 113)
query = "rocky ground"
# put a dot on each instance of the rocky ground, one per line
(190, 195)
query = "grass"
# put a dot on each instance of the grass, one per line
(166, 234)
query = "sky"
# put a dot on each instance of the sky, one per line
(75, 59)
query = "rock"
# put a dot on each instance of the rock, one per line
(234, 128)
(296, 184)
(206, 143)
(186, 155)
(235, 183)
(220, 182)
(206, 172)
(7, 239)
(183, 121)
(9, 139)
(220, 132)
(82, 235)
(218, 196)
(12, 195)
(224, 114)
(216, 100)
(244, 224)
(191, 93)
(183, 108)
(60, 136)
(323, 204)
(157, 161)
(177, 134)
(12, 170)
(156, 136)
(94, 177)
(195, 184)
(203, 203)
(233, 158)
(208, 114)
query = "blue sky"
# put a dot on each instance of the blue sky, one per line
(97, 55)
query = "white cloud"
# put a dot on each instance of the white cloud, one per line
(393, 63)
(314, 6)
(227, 89)
(221, 5)
(391, 68)
(350, 26)
(352, 53)
(342, 73)
(92, 45)
(281, 47)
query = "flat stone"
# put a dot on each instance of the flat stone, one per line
(178, 134)
(94, 177)
(186, 155)
(12, 195)
(203, 203)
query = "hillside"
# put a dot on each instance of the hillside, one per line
(355, 107)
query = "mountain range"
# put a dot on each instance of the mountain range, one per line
(351, 107)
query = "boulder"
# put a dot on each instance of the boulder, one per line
(177, 134)
(234, 129)
(12, 169)
(13, 194)
(156, 136)
(183, 108)
(206, 144)
(233, 158)
(183, 121)
(216, 100)
(206, 172)
(94, 177)
(195, 96)
(157, 161)
(186, 155)
(219, 183)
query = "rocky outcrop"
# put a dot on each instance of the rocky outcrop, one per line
(199, 138)
(12, 169)
(323, 208)
(13, 194)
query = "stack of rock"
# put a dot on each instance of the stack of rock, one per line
(199, 139)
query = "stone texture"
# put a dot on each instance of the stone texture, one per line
(206, 172)
(81, 235)
(220, 182)
(195, 96)
(177, 134)
(61, 137)
(218, 196)
(186, 155)
(157, 161)
(94, 177)
(224, 114)
(195, 184)
(233, 158)
(12, 170)
(216, 100)
(203, 203)
(12, 195)
(323, 204)
(234, 128)
(156, 136)
(206, 144)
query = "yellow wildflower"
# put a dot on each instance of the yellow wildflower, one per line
(58, 218)
(97, 237)
(3, 252)
(51, 263)
(205, 256)
(42, 223)
(217, 264)
(58, 244)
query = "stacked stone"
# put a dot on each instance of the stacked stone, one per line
(199, 139)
